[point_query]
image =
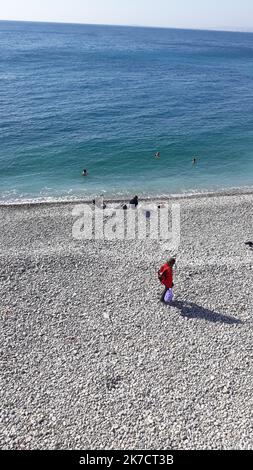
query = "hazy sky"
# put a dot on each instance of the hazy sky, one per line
(220, 14)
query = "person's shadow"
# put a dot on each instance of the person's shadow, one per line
(191, 310)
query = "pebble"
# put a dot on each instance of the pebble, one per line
(151, 377)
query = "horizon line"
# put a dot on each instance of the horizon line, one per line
(214, 28)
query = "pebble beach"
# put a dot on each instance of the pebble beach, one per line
(91, 359)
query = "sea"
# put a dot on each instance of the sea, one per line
(107, 98)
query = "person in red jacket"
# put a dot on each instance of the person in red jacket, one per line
(165, 275)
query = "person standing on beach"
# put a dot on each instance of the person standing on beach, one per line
(165, 276)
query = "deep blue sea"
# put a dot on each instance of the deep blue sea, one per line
(108, 98)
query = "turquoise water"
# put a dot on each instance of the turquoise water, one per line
(108, 98)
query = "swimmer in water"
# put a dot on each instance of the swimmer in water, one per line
(157, 155)
(194, 161)
(85, 172)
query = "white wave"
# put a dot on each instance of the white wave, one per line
(13, 198)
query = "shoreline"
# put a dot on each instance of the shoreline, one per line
(111, 200)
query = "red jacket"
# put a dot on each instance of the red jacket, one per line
(165, 275)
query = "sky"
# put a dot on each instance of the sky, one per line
(199, 14)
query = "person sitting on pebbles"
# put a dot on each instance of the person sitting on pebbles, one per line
(134, 202)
